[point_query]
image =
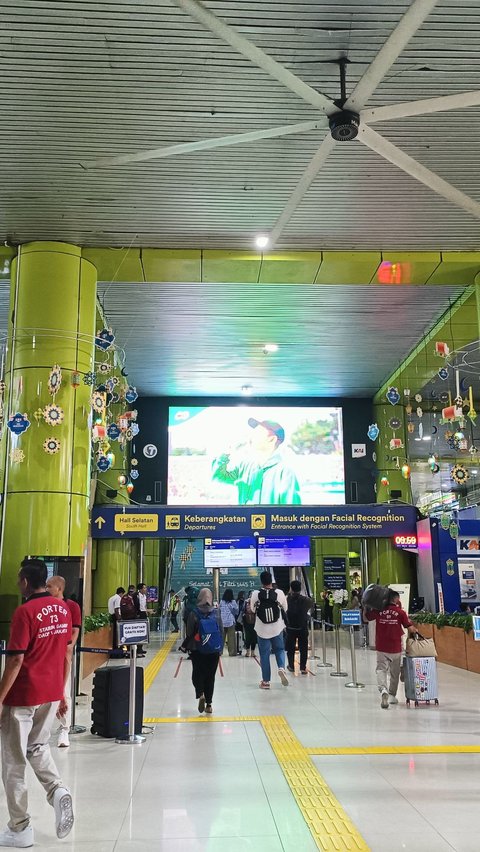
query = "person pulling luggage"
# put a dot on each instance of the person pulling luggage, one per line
(388, 640)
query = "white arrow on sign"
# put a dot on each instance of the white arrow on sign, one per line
(100, 522)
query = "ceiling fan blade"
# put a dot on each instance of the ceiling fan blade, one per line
(397, 40)
(412, 167)
(201, 14)
(204, 144)
(424, 107)
(302, 188)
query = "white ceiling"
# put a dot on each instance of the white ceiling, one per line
(81, 80)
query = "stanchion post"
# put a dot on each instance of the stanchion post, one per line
(338, 672)
(354, 684)
(312, 640)
(133, 738)
(324, 664)
(3, 645)
(74, 729)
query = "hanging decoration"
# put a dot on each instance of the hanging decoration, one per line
(443, 373)
(18, 423)
(445, 521)
(98, 432)
(38, 414)
(134, 462)
(394, 423)
(459, 474)
(104, 368)
(396, 444)
(53, 414)
(450, 567)
(411, 428)
(135, 429)
(89, 378)
(393, 395)
(384, 481)
(131, 395)
(111, 458)
(98, 402)
(17, 456)
(54, 380)
(103, 463)
(418, 397)
(441, 349)
(471, 414)
(373, 432)
(113, 432)
(453, 529)
(134, 474)
(104, 339)
(51, 446)
(75, 379)
(406, 471)
(130, 487)
(122, 480)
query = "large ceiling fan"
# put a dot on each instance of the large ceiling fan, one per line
(347, 117)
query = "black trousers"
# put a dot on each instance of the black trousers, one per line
(302, 637)
(204, 669)
(173, 621)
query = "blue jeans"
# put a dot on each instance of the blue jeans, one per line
(265, 646)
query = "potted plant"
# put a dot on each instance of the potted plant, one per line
(97, 633)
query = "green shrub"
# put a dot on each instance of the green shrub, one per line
(96, 622)
(444, 619)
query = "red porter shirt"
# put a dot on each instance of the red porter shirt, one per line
(75, 612)
(41, 629)
(388, 635)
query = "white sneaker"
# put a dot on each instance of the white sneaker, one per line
(62, 803)
(283, 677)
(392, 699)
(18, 839)
(247, 653)
(384, 701)
(63, 740)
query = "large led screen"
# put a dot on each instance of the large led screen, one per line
(252, 455)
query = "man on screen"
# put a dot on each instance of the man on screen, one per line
(259, 470)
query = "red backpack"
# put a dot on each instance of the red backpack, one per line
(127, 608)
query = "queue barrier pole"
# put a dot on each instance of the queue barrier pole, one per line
(312, 639)
(74, 670)
(3, 652)
(324, 664)
(132, 738)
(338, 672)
(353, 684)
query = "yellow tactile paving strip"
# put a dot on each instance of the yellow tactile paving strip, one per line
(329, 825)
(431, 749)
(153, 668)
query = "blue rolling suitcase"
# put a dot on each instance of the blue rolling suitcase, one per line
(420, 674)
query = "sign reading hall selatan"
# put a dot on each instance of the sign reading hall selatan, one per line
(377, 521)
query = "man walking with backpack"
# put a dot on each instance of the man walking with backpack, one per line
(298, 608)
(267, 604)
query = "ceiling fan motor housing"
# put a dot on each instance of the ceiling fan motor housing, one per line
(344, 125)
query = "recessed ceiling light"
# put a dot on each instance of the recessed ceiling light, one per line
(247, 390)
(270, 347)
(262, 241)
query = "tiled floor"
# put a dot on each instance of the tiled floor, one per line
(219, 787)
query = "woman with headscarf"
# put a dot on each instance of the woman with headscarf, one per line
(204, 643)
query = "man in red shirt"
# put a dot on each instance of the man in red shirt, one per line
(56, 587)
(388, 640)
(31, 690)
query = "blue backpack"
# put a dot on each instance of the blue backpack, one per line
(208, 639)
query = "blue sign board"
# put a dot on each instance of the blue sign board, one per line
(351, 617)
(134, 632)
(349, 521)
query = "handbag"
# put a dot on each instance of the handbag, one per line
(418, 646)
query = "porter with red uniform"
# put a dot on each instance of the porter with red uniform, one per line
(388, 641)
(32, 689)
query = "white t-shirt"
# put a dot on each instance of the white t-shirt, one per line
(142, 602)
(114, 603)
(268, 631)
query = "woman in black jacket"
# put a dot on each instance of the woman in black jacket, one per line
(204, 665)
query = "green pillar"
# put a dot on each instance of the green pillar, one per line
(52, 321)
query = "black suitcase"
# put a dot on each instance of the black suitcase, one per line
(110, 701)
(238, 642)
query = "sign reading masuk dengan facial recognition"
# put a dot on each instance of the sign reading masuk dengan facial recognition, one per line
(378, 521)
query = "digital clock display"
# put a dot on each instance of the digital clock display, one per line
(407, 541)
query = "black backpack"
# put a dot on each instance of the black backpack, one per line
(267, 609)
(295, 612)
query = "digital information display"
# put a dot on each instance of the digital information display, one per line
(230, 553)
(240, 455)
(405, 541)
(278, 552)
